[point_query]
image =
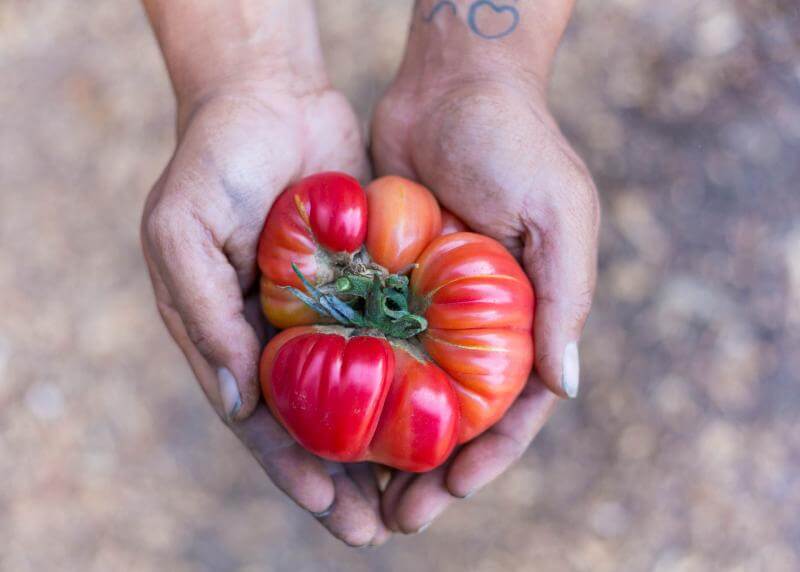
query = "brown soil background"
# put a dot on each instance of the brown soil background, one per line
(683, 451)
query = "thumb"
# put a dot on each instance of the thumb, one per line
(197, 284)
(560, 256)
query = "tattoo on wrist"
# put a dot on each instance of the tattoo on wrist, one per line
(438, 7)
(487, 19)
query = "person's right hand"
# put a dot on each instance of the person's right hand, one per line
(238, 148)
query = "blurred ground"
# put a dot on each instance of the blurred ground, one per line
(682, 452)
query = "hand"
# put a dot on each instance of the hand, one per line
(237, 150)
(493, 155)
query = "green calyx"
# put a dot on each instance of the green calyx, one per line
(364, 300)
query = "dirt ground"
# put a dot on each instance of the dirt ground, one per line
(682, 452)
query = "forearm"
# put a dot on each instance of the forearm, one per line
(479, 38)
(211, 43)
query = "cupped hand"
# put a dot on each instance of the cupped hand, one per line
(237, 150)
(493, 155)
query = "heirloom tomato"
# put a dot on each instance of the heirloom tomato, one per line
(403, 335)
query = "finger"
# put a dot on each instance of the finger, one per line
(417, 500)
(392, 496)
(364, 477)
(255, 317)
(482, 460)
(351, 518)
(560, 256)
(413, 502)
(203, 289)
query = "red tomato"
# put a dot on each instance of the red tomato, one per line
(403, 218)
(413, 367)
(320, 215)
(351, 397)
(451, 223)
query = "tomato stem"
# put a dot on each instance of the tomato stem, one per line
(364, 300)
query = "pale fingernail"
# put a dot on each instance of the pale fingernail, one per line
(323, 513)
(423, 528)
(383, 475)
(570, 370)
(229, 392)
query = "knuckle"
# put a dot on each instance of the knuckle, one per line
(582, 305)
(571, 205)
(577, 310)
(581, 190)
(158, 223)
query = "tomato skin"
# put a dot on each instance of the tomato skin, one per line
(480, 307)
(362, 397)
(403, 218)
(337, 210)
(355, 398)
(419, 423)
(327, 210)
(328, 389)
(451, 223)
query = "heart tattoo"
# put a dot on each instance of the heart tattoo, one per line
(486, 19)
(490, 21)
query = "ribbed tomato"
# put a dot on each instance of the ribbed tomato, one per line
(309, 223)
(375, 365)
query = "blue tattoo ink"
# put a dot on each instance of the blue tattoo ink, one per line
(438, 7)
(497, 10)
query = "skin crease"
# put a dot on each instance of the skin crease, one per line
(255, 113)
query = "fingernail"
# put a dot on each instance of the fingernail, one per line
(324, 513)
(423, 528)
(229, 392)
(383, 475)
(570, 370)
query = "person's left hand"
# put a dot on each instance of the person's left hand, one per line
(491, 152)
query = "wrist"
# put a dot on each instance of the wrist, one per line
(461, 41)
(246, 47)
